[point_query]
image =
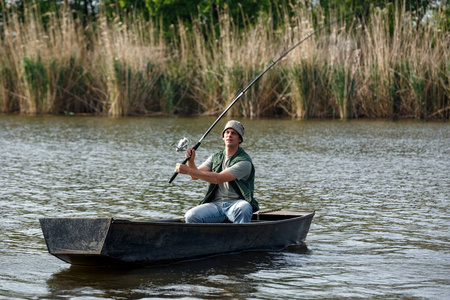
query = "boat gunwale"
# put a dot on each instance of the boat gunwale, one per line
(180, 222)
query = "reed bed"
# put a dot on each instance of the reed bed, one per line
(126, 66)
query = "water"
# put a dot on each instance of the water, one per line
(380, 190)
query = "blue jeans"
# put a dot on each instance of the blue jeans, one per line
(237, 211)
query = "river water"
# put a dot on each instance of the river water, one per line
(380, 190)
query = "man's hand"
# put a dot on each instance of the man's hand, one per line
(180, 168)
(190, 153)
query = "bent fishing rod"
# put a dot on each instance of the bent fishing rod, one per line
(255, 80)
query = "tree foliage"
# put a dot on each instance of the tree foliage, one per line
(171, 12)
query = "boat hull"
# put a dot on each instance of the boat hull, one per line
(105, 241)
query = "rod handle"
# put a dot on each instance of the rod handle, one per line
(183, 163)
(173, 177)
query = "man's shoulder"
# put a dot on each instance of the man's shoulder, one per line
(218, 154)
(242, 155)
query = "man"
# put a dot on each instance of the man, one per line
(231, 175)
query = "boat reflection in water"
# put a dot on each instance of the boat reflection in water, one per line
(225, 276)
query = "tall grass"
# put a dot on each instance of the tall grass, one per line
(125, 66)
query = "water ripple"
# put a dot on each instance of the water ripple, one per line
(380, 190)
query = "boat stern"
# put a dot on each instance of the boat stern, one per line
(75, 240)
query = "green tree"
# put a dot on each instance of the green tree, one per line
(173, 11)
(346, 6)
(84, 10)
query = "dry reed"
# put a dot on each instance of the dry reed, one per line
(125, 66)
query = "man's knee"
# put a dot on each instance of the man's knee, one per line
(205, 213)
(191, 217)
(243, 212)
(245, 206)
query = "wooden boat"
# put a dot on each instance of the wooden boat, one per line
(107, 241)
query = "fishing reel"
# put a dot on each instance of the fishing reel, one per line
(182, 145)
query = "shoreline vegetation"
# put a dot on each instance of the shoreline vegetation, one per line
(376, 68)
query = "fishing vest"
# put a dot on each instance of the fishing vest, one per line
(245, 187)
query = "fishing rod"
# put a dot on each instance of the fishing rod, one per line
(255, 80)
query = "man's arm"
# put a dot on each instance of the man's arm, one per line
(202, 167)
(204, 173)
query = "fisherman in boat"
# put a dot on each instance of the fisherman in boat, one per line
(231, 175)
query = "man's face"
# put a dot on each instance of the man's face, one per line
(231, 137)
